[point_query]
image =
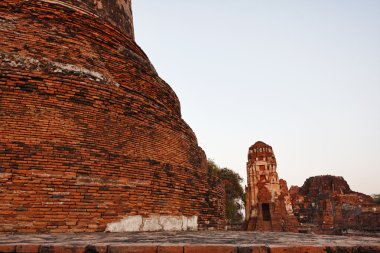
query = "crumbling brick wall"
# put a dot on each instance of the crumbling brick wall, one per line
(89, 133)
(328, 203)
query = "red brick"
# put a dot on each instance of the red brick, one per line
(28, 248)
(210, 249)
(170, 249)
(132, 249)
(252, 249)
(7, 248)
(298, 249)
(99, 248)
(63, 249)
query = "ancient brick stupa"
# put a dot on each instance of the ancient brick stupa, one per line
(91, 138)
(268, 205)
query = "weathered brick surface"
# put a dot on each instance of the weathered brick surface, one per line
(89, 133)
(117, 12)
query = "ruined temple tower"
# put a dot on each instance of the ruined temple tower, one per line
(268, 205)
(91, 138)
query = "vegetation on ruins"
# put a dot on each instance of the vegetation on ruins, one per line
(376, 198)
(234, 191)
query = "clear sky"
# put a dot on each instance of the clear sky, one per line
(301, 75)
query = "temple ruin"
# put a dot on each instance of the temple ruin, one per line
(268, 204)
(326, 204)
(91, 138)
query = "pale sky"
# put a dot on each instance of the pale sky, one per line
(301, 75)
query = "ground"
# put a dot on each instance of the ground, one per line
(187, 242)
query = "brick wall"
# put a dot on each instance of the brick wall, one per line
(89, 133)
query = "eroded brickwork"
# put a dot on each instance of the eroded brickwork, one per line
(268, 204)
(89, 133)
(326, 204)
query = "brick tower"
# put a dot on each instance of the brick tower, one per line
(268, 205)
(91, 138)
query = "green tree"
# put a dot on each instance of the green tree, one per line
(234, 191)
(376, 198)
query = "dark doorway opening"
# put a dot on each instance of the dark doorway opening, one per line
(266, 212)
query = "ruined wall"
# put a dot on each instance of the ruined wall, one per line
(90, 135)
(328, 203)
(268, 204)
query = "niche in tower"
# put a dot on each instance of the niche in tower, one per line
(266, 211)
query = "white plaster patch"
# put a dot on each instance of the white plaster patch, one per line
(17, 61)
(80, 70)
(129, 224)
(171, 223)
(192, 223)
(184, 223)
(152, 223)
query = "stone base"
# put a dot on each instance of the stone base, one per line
(201, 248)
(187, 242)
